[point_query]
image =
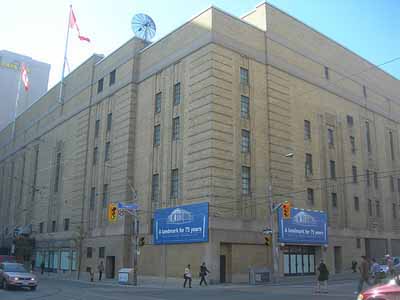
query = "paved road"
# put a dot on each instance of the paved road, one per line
(70, 290)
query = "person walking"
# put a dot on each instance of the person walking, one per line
(389, 263)
(33, 264)
(375, 271)
(203, 273)
(354, 266)
(42, 267)
(364, 274)
(322, 277)
(100, 268)
(187, 276)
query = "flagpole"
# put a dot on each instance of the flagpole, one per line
(16, 102)
(60, 98)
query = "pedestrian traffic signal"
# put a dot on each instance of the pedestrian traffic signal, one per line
(141, 242)
(112, 213)
(286, 207)
(267, 240)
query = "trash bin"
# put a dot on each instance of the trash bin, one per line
(259, 276)
(125, 276)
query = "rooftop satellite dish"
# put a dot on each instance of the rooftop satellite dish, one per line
(143, 27)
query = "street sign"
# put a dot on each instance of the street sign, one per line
(129, 208)
(267, 231)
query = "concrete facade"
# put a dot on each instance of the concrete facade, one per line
(69, 160)
(10, 72)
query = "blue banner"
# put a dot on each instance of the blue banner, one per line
(181, 225)
(303, 227)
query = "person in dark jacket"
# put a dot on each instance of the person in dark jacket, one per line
(323, 276)
(203, 273)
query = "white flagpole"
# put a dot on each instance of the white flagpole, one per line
(61, 98)
(16, 101)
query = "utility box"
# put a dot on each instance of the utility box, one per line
(125, 276)
(259, 276)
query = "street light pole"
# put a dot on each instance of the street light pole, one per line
(273, 235)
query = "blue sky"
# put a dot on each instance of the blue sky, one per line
(371, 28)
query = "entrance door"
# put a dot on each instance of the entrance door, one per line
(110, 266)
(338, 259)
(299, 260)
(222, 268)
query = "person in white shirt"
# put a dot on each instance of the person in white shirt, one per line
(375, 270)
(187, 276)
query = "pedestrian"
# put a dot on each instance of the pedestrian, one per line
(203, 273)
(322, 277)
(91, 273)
(364, 274)
(389, 263)
(33, 264)
(354, 266)
(42, 267)
(100, 268)
(187, 276)
(375, 271)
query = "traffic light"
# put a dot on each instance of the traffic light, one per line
(112, 213)
(141, 242)
(286, 207)
(267, 241)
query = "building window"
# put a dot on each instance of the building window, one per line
(174, 184)
(367, 175)
(53, 226)
(378, 208)
(245, 180)
(310, 196)
(107, 151)
(307, 130)
(245, 141)
(391, 145)
(364, 91)
(66, 224)
(102, 252)
(177, 93)
(95, 155)
(358, 243)
(330, 137)
(244, 107)
(109, 121)
(100, 85)
(244, 76)
(376, 180)
(58, 171)
(370, 207)
(97, 129)
(35, 172)
(89, 252)
(354, 172)
(394, 210)
(398, 185)
(157, 105)
(392, 184)
(112, 77)
(368, 137)
(92, 197)
(350, 121)
(356, 204)
(334, 200)
(332, 168)
(308, 165)
(105, 195)
(155, 188)
(157, 137)
(176, 125)
(326, 69)
(353, 144)
(41, 227)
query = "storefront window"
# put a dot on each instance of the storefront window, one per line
(65, 260)
(46, 259)
(39, 259)
(73, 263)
(56, 260)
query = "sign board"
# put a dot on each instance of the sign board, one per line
(129, 208)
(304, 227)
(181, 225)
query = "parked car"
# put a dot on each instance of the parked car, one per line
(15, 275)
(388, 291)
(7, 258)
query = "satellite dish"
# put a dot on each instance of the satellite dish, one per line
(143, 27)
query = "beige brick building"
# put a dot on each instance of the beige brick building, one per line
(208, 113)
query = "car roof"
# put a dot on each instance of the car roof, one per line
(11, 263)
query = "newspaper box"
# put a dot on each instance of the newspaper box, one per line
(125, 276)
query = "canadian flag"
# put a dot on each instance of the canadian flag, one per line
(24, 76)
(72, 24)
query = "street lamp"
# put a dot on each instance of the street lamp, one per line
(274, 243)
